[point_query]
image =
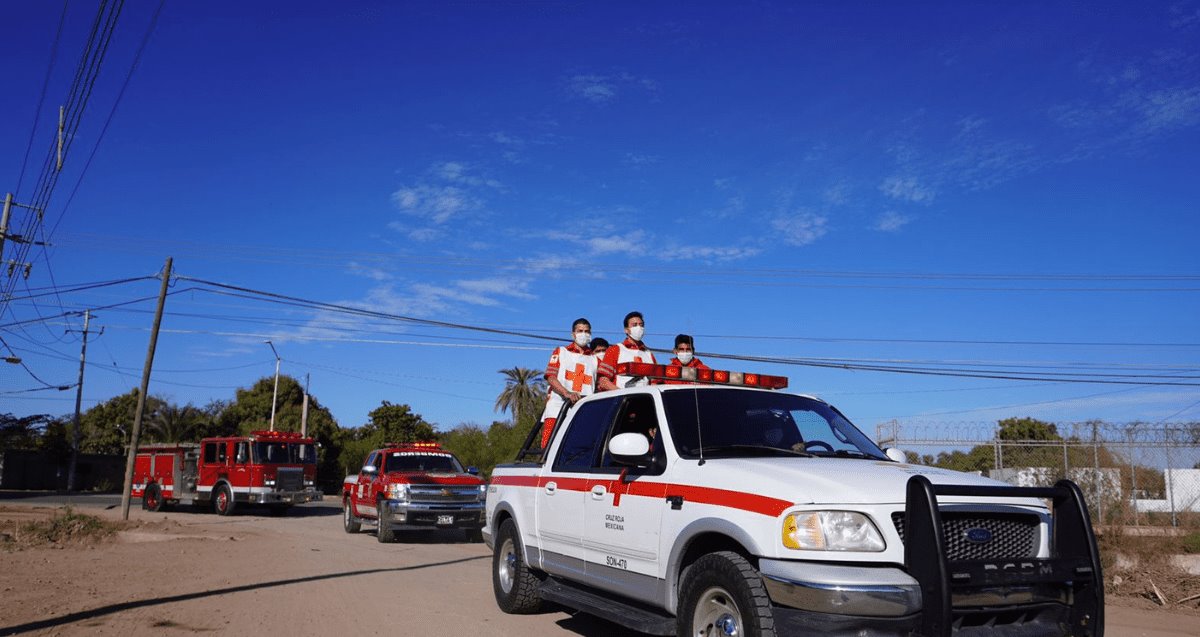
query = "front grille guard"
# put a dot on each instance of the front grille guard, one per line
(1074, 561)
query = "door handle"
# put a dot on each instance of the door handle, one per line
(598, 491)
(551, 487)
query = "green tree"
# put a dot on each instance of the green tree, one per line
(22, 433)
(251, 411)
(107, 426)
(386, 423)
(1027, 429)
(523, 395)
(173, 423)
(485, 449)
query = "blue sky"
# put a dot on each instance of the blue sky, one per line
(994, 187)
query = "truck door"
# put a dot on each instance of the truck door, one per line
(562, 491)
(624, 507)
(212, 465)
(240, 477)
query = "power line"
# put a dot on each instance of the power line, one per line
(37, 113)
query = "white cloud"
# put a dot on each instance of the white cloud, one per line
(891, 221)
(906, 189)
(708, 253)
(370, 272)
(640, 159)
(602, 89)
(1168, 109)
(801, 228)
(598, 89)
(438, 204)
(837, 194)
(626, 243)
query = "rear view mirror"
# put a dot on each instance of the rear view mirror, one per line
(896, 454)
(368, 468)
(630, 449)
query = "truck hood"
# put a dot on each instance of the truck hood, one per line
(422, 477)
(833, 480)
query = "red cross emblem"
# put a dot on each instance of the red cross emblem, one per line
(578, 378)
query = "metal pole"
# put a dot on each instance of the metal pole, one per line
(4, 223)
(135, 435)
(77, 436)
(304, 410)
(274, 394)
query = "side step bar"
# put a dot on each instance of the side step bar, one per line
(605, 607)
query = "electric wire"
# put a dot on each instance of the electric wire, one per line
(37, 112)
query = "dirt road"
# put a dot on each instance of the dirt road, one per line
(251, 574)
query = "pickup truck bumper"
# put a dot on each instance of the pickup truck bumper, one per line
(416, 515)
(878, 601)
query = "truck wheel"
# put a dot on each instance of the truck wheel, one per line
(223, 502)
(385, 534)
(152, 498)
(722, 594)
(349, 521)
(515, 585)
(474, 536)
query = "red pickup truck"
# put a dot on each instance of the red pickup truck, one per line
(413, 486)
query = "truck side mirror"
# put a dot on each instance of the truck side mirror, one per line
(368, 468)
(630, 449)
(896, 454)
(473, 470)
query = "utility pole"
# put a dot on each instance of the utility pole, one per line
(77, 435)
(304, 410)
(274, 394)
(8, 202)
(136, 434)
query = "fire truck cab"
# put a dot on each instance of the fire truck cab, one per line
(275, 468)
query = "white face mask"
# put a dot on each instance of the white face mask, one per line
(583, 338)
(685, 357)
(636, 332)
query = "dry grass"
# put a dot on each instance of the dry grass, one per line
(63, 527)
(1141, 568)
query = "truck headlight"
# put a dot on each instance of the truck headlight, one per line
(270, 482)
(397, 492)
(831, 531)
(308, 482)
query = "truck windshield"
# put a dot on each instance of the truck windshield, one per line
(739, 423)
(435, 463)
(284, 453)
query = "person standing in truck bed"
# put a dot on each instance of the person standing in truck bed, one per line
(570, 375)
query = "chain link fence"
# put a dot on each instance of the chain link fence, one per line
(1132, 474)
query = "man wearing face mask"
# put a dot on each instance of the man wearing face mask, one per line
(631, 350)
(685, 356)
(571, 375)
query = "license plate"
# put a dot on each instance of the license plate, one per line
(445, 519)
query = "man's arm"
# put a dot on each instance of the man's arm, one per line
(606, 369)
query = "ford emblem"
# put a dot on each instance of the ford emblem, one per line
(978, 536)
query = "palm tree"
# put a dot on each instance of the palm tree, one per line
(172, 423)
(524, 389)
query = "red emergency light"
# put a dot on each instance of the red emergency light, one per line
(415, 446)
(696, 375)
(277, 435)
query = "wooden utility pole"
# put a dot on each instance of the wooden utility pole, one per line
(136, 434)
(304, 411)
(76, 435)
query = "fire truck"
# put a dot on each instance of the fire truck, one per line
(413, 486)
(273, 468)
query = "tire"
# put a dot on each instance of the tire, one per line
(349, 521)
(152, 498)
(385, 534)
(514, 583)
(474, 536)
(722, 594)
(223, 502)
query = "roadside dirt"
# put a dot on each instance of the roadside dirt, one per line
(182, 572)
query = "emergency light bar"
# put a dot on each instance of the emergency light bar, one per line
(697, 375)
(428, 446)
(277, 435)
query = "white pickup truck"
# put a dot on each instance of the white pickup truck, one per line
(722, 508)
